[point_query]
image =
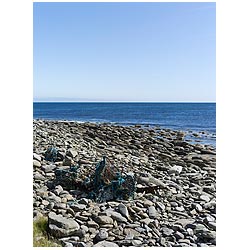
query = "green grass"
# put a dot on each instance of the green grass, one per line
(40, 238)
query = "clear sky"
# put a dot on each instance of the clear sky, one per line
(124, 52)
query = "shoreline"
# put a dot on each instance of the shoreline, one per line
(182, 215)
(203, 137)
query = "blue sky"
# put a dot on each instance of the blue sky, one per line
(124, 52)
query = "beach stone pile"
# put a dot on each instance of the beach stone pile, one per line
(182, 212)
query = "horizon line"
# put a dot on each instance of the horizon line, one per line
(124, 101)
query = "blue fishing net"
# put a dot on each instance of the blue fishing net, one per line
(106, 183)
(51, 154)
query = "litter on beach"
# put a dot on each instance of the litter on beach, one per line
(105, 184)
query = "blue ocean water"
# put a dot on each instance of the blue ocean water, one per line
(192, 117)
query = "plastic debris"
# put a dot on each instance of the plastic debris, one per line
(51, 154)
(105, 184)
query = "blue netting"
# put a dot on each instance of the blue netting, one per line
(103, 185)
(51, 154)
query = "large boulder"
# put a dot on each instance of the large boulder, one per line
(60, 226)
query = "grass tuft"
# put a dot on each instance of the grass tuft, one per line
(40, 237)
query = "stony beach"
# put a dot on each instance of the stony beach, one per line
(182, 212)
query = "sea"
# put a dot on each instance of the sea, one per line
(198, 120)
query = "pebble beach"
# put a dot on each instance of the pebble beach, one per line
(181, 213)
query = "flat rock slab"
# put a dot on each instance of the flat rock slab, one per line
(61, 226)
(103, 219)
(116, 216)
(105, 244)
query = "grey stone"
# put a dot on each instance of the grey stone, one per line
(185, 222)
(37, 157)
(103, 219)
(167, 231)
(209, 218)
(68, 244)
(123, 210)
(146, 220)
(39, 176)
(91, 223)
(84, 228)
(36, 163)
(81, 244)
(131, 232)
(136, 243)
(72, 153)
(84, 201)
(212, 224)
(54, 198)
(180, 209)
(58, 189)
(60, 226)
(210, 204)
(77, 207)
(210, 235)
(205, 198)
(186, 241)
(152, 213)
(202, 231)
(117, 216)
(140, 229)
(150, 179)
(148, 203)
(198, 207)
(175, 169)
(177, 227)
(45, 203)
(200, 227)
(105, 244)
(48, 168)
(178, 235)
(102, 234)
(190, 231)
(161, 206)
